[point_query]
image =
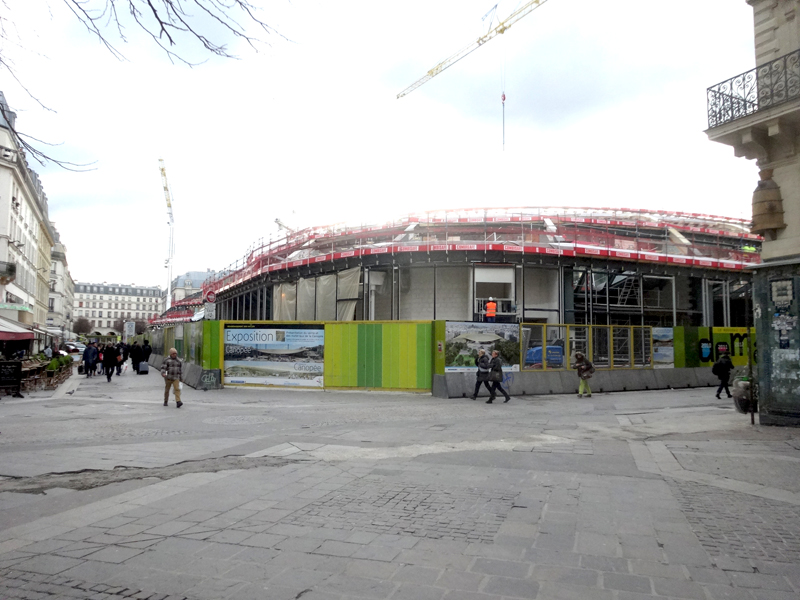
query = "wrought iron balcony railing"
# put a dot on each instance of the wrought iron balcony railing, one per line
(767, 85)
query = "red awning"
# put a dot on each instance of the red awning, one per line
(12, 331)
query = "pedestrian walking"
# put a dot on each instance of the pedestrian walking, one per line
(90, 359)
(100, 368)
(111, 360)
(171, 371)
(722, 369)
(585, 370)
(136, 356)
(482, 376)
(122, 357)
(496, 377)
(147, 350)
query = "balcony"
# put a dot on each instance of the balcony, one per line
(768, 85)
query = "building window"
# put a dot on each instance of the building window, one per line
(99, 313)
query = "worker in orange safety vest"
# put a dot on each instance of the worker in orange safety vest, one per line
(491, 310)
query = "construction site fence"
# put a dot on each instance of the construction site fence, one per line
(548, 347)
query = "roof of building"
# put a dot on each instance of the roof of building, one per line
(639, 235)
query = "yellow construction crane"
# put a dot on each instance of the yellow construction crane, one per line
(524, 10)
(171, 223)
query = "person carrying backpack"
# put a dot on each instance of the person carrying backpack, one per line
(722, 369)
(585, 370)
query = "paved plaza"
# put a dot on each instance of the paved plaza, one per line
(285, 494)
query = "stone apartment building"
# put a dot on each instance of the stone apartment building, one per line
(103, 303)
(189, 283)
(757, 112)
(62, 291)
(26, 240)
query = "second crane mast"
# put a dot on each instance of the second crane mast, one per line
(171, 223)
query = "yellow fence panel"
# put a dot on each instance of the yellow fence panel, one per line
(546, 347)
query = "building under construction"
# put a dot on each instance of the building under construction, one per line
(546, 265)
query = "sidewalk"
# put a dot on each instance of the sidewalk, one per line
(286, 494)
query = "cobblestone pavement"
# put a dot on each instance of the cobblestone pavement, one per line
(283, 494)
(738, 525)
(447, 513)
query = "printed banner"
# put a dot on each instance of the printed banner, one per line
(271, 354)
(464, 339)
(663, 348)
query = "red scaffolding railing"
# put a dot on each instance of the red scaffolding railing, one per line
(626, 234)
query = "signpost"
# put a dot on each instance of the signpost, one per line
(129, 331)
(210, 311)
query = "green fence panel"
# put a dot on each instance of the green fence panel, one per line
(370, 355)
(211, 344)
(424, 364)
(341, 355)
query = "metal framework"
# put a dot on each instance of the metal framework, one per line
(627, 235)
(550, 347)
(767, 85)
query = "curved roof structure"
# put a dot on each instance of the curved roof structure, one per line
(636, 235)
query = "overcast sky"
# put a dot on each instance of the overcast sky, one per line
(606, 107)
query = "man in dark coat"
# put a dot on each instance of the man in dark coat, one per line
(482, 362)
(90, 359)
(136, 356)
(722, 369)
(147, 350)
(110, 360)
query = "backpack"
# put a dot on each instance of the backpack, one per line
(715, 370)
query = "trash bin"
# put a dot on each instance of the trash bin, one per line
(740, 389)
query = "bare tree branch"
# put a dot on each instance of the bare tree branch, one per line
(165, 21)
(40, 156)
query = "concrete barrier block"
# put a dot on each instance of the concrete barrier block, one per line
(460, 385)
(534, 383)
(676, 378)
(439, 386)
(544, 383)
(634, 379)
(601, 381)
(705, 377)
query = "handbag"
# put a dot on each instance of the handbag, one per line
(496, 376)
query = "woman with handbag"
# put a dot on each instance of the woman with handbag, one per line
(482, 362)
(585, 370)
(496, 377)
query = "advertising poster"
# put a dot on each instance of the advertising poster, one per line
(663, 348)
(715, 341)
(270, 354)
(464, 339)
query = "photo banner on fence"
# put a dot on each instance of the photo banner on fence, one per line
(464, 339)
(272, 354)
(663, 348)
